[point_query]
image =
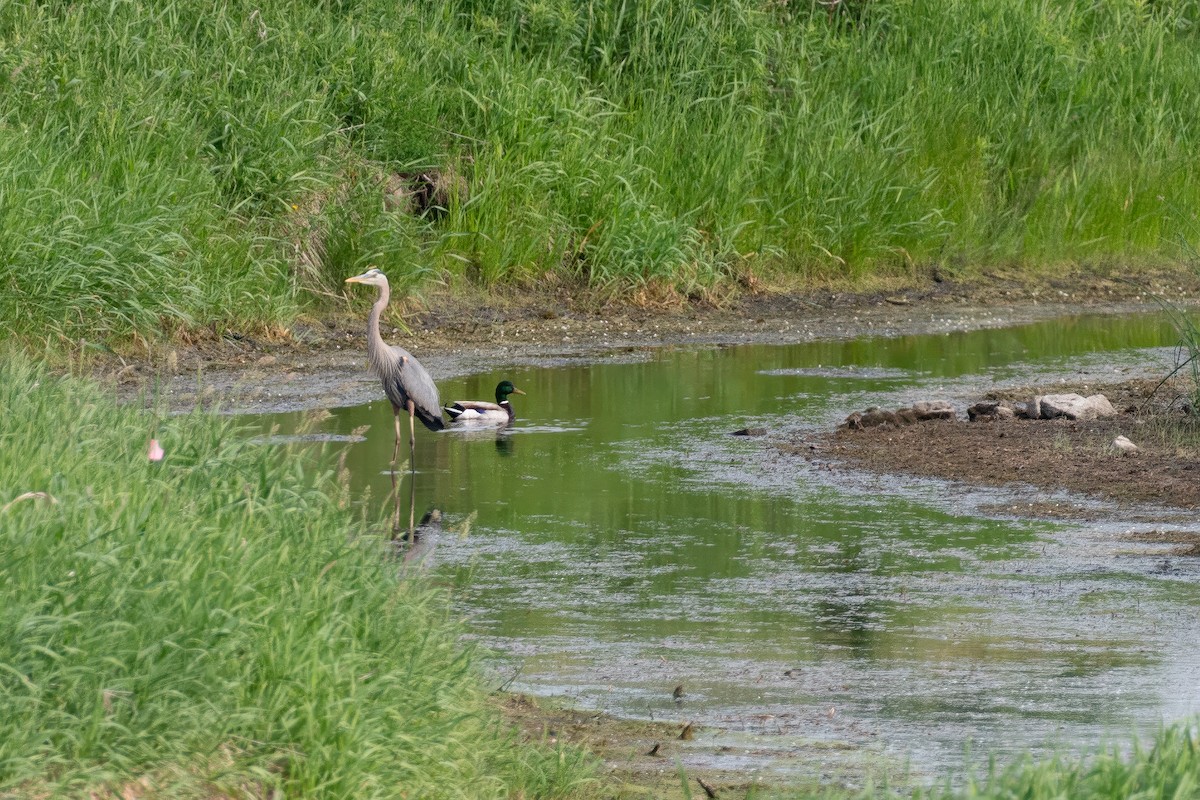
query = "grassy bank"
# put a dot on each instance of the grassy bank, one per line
(218, 623)
(1169, 767)
(172, 170)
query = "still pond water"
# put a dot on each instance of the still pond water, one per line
(618, 542)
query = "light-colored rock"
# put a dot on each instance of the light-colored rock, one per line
(1032, 409)
(1074, 406)
(1124, 445)
(1103, 407)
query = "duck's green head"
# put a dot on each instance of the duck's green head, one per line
(504, 389)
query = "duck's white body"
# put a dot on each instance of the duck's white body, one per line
(479, 413)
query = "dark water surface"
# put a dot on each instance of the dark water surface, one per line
(618, 543)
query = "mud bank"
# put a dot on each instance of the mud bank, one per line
(320, 363)
(1159, 482)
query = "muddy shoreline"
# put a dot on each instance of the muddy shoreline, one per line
(1157, 483)
(321, 363)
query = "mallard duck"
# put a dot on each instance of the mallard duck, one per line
(481, 412)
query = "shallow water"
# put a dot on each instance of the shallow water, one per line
(617, 543)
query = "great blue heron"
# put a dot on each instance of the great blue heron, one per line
(405, 382)
(481, 412)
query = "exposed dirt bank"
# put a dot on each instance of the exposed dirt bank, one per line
(1156, 482)
(665, 761)
(321, 363)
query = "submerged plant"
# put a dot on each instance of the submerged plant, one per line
(1187, 354)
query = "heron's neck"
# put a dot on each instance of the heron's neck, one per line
(378, 353)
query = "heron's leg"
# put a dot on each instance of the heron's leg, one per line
(396, 446)
(412, 465)
(412, 504)
(412, 436)
(395, 491)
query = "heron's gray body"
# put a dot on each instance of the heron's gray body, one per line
(401, 374)
(405, 379)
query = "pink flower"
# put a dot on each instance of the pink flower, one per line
(154, 453)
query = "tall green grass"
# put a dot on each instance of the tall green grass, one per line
(921, 131)
(168, 166)
(218, 623)
(1169, 767)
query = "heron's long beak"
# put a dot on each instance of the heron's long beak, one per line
(356, 278)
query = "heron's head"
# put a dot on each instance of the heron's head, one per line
(504, 389)
(371, 277)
